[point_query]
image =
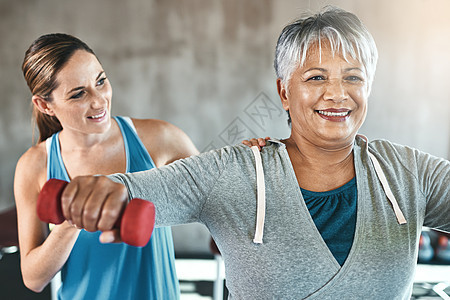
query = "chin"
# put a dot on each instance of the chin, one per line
(103, 127)
(338, 138)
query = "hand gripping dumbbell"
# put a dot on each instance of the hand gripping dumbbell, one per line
(136, 223)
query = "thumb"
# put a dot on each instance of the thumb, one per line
(110, 236)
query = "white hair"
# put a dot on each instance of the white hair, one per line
(344, 32)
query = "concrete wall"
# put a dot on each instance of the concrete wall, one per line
(206, 66)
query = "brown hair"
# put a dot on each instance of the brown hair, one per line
(46, 56)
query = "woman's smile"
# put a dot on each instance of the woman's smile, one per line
(98, 117)
(334, 115)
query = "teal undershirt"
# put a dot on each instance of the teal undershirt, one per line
(334, 213)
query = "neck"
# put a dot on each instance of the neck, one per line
(312, 153)
(78, 141)
(317, 167)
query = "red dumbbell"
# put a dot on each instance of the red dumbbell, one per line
(136, 223)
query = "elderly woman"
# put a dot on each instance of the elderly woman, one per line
(324, 214)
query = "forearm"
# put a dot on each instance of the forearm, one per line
(41, 264)
(173, 204)
(178, 190)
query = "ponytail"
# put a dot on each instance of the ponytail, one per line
(46, 124)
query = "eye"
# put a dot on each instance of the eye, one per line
(354, 78)
(316, 78)
(101, 81)
(77, 95)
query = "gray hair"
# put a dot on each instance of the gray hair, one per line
(343, 30)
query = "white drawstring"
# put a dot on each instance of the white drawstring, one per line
(387, 190)
(261, 191)
(261, 197)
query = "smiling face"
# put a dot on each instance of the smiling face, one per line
(326, 98)
(82, 99)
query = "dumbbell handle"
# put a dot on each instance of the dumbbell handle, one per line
(136, 223)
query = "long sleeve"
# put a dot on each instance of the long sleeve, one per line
(422, 179)
(178, 190)
(434, 174)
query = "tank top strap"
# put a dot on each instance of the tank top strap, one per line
(138, 158)
(55, 165)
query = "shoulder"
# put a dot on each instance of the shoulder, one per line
(402, 157)
(155, 129)
(31, 167)
(394, 151)
(164, 141)
(35, 157)
(241, 154)
(386, 149)
(155, 124)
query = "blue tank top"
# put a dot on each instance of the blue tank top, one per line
(117, 271)
(334, 213)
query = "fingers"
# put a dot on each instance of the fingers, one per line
(92, 211)
(93, 202)
(259, 142)
(113, 207)
(68, 197)
(76, 208)
(247, 143)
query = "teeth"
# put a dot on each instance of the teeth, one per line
(333, 114)
(98, 116)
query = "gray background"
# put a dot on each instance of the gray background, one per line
(206, 66)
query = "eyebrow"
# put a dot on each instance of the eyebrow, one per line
(345, 70)
(82, 87)
(318, 69)
(354, 68)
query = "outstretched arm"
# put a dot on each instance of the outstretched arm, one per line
(178, 190)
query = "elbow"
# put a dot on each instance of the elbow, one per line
(34, 285)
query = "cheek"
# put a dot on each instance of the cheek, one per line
(360, 96)
(305, 98)
(108, 91)
(363, 105)
(108, 95)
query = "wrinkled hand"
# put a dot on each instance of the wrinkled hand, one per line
(95, 203)
(259, 142)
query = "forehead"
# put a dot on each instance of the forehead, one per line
(80, 67)
(321, 54)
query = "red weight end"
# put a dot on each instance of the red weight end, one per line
(49, 201)
(138, 221)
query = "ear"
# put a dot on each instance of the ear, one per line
(283, 93)
(42, 105)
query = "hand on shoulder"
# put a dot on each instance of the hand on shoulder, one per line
(257, 142)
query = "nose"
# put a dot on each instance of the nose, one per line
(98, 99)
(335, 91)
